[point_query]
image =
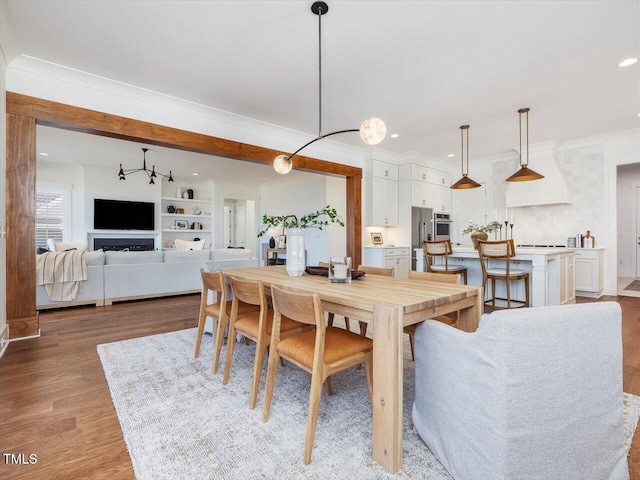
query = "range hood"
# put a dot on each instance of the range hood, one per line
(551, 190)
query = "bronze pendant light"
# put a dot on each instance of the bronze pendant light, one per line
(465, 181)
(525, 174)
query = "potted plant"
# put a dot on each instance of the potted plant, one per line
(296, 261)
(480, 232)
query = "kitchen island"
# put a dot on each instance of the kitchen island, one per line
(551, 270)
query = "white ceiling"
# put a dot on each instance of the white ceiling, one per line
(424, 67)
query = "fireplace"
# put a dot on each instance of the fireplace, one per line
(126, 244)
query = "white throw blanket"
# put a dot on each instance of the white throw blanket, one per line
(61, 273)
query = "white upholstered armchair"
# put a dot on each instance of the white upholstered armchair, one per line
(534, 393)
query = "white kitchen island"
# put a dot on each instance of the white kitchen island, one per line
(551, 270)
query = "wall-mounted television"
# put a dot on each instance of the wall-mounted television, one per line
(122, 215)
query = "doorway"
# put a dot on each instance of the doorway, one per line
(238, 225)
(628, 221)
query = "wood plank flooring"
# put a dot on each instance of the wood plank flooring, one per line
(55, 402)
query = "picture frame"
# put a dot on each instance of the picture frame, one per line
(181, 224)
(376, 238)
(180, 211)
(282, 241)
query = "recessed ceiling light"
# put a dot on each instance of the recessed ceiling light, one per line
(195, 174)
(394, 135)
(451, 155)
(44, 154)
(628, 62)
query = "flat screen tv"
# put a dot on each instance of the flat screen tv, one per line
(122, 215)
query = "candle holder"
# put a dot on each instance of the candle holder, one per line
(511, 226)
(500, 231)
(506, 229)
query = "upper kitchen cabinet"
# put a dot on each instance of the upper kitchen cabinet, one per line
(381, 193)
(429, 187)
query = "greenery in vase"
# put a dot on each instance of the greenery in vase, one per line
(317, 219)
(488, 228)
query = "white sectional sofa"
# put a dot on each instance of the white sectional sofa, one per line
(119, 276)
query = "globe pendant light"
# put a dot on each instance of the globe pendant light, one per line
(150, 173)
(525, 174)
(465, 181)
(372, 131)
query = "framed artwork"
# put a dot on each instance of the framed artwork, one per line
(376, 238)
(282, 241)
(181, 224)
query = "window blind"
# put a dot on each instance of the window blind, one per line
(50, 209)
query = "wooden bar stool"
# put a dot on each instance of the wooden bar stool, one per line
(321, 352)
(441, 248)
(501, 250)
(220, 310)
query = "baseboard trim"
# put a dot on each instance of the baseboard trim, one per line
(4, 340)
(26, 338)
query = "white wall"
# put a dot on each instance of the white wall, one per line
(305, 194)
(3, 174)
(627, 183)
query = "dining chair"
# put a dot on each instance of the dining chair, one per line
(441, 248)
(322, 351)
(501, 250)
(385, 272)
(449, 320)
(255, 326)
(220, 309)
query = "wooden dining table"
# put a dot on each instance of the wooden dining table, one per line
(389, 304)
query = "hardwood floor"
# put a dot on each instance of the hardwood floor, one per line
(55, 402)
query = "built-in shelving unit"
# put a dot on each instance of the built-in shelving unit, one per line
(197, 210)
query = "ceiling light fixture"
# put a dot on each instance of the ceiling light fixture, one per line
(628, 62)
(525, 174)
(372, 131)
(451, 155)
(44, 154)
(465, 181)
(394, 135)
(150, 173)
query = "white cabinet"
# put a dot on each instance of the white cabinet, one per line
(441, 199)
(388, 257)
(567, 279)
(589, 272)
(422, 194)
(381, 190)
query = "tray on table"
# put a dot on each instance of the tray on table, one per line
(324, 271)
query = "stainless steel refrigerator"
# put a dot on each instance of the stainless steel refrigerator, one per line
(421, 229)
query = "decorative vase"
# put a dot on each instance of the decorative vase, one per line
(190, 193)
(296, 261)
(178, 192)
(272, 242)
(478, 235)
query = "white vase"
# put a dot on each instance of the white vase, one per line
(178, 192)
(296, 261)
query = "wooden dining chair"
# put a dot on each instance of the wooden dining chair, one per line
(255, 326)
(385, 272)
(441, 248)
(322, 351)
(449, 320)
(220, 310)
(501, 250)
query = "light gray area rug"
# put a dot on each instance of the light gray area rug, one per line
(180, 422)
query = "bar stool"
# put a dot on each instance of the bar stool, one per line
(441, 248)
(501, 250)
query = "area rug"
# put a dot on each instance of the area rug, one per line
(179, 421)
(633, 286)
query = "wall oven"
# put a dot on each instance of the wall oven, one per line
(441, 226)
